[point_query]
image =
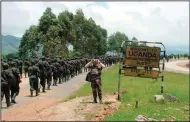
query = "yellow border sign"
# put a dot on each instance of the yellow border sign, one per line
(142, 56)
(142, 73)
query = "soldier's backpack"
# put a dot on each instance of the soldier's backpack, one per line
(88, 77)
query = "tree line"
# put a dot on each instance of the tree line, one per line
(54, 33)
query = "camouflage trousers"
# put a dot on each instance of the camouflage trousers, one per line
(25, 71)
(5, 90)
(49, 79)
(33, 83)
(96, 89)
(55, 78)
(43, 82)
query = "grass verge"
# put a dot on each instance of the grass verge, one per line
(143, 90)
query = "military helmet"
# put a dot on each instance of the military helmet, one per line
(33, 62)
(12, 64)
(10, 59)
(43, 58)
(5, 65)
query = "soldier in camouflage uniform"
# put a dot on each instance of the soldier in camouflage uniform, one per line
(5, 86)
(71, 69)
(20, 65)
(63, 71)
(58, 66)
(55, 74)
(49, 76)
(95, 78)
(42, 65)
(33, 73)
(67, 71)
(26, 66)
(15, 88)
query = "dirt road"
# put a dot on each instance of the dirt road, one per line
(177, 66)
(28, 107)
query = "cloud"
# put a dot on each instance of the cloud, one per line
(167, 22)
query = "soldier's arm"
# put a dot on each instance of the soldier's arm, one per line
(38, 71)
(29, 69)
(88, 64)
(18, 75)
(101, 64)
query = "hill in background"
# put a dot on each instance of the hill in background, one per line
(10, 44)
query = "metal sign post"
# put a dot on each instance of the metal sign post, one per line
(143, 57)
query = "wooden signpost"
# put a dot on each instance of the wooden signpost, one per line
(142, 73)
(141, 61)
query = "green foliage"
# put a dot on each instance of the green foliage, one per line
(185, 55)
(55, 33)
(115, 40)
(134, 43)
(9, 56)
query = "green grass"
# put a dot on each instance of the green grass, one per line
(143, 90)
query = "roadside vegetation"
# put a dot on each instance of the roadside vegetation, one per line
(143, 91)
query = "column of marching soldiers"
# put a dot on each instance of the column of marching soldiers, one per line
(42, 73)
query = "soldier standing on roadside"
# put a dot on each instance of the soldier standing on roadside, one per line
(95, 77)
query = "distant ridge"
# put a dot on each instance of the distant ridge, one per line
(10, 44)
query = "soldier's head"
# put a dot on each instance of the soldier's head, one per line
(33, 63)
(43, 58)
(15, 57)
(10, 59)
(12, 64)
(5, 66)
(26, 59)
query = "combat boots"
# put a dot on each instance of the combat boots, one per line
(13, 98)
(8, 104)
(48, 87)
(31, 93)
(36, 92)
(95, 100)
(55, 83)
(43, 89)
(100, 100)
(13, 101)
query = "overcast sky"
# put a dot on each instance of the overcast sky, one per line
(167, 22)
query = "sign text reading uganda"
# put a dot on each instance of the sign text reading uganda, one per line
(142, 56)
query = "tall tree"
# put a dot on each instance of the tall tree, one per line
(115, 40)
(78, 22)
(47, 20)
(134, 43)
